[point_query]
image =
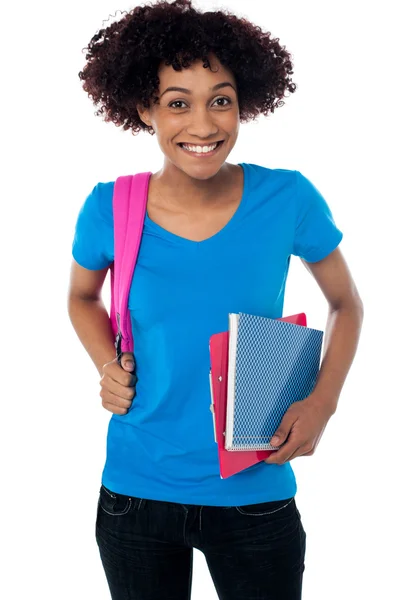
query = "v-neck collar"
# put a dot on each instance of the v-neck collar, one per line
(182, 240)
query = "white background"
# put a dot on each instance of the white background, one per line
(340, 129)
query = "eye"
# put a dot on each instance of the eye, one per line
(175, 102)
(217, 99)
(228, 101)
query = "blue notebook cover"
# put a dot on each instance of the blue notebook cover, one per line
(271, 365)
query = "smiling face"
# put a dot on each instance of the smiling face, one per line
(206, 112)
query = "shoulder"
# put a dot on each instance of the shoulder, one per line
(260, 173)
(98, 203)
(271, 185)
(292, 183)
(92, 245)
(103, 193)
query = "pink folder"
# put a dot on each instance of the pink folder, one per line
(232, 462)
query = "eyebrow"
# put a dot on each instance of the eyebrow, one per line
(186, 91)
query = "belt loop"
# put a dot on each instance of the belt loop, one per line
(142, 502)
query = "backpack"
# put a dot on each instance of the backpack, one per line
(129, 204)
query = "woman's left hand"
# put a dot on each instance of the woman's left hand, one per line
(300, 430)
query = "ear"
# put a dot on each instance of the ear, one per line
(144, 114)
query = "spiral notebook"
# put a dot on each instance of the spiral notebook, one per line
(258, 369)
(271, 365)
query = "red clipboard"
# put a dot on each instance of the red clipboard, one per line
(232, 462)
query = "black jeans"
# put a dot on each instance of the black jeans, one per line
(253, 552)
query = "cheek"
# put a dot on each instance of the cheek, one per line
(232, 127)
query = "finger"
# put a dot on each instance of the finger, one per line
(113, 371)
(283, 454)
(284, 429)
(116, 388)
(127, 361)
(115, 410)
(111, 401)
(301, 452)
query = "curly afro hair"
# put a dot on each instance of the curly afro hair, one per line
(123, 60)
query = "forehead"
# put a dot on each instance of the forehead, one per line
(195, 75)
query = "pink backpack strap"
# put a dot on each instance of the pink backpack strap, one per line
(129, 209)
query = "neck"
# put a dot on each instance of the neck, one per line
(179, 190)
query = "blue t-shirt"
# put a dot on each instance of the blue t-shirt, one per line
(163, 448)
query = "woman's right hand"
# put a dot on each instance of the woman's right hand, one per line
(118, 384)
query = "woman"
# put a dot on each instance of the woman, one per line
(217, 238)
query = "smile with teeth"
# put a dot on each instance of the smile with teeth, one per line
(201, 149)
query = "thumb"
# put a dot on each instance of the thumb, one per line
(282, 432)
(127, 361)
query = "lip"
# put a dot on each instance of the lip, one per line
(201, 154)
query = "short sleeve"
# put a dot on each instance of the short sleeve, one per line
(93, 243)
(316, 234)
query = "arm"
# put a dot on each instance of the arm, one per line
(88, 314)
(304, 422)
(344, 323)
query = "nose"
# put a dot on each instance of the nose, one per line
(201, 124)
